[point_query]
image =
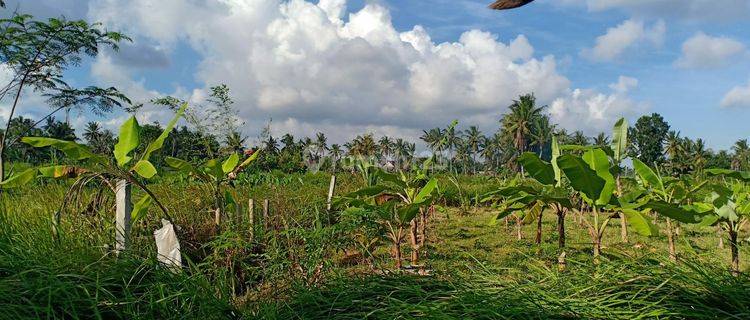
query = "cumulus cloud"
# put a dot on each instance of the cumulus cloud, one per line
(624, 84)
(692, 10)
(309, 67)
(618, 39)
(593, 112)
(739, 96)
(704, 51)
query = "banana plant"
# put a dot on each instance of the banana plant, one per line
(530, 199)
(591, 176)
(216, 174)
(135, 169)
(619, 147)
(668, 197)
(728, 206)
(402, 203)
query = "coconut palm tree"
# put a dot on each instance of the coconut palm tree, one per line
(579, 138)
(519, 122)
(699, 155)
(601, 140)
(235, 142)
(321, 145)
(741, 157)
(363, 145)
(474, 140)
(450, 143)
(433, 139)
(542, 133)
(288, 141)
(336, 154)
(271, 146)
(385, 148)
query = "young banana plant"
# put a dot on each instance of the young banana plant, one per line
(89, 166)
(668, 197)
(216, 175)
(728, 206)
(531, 198)
(402, 203)
(591, 176)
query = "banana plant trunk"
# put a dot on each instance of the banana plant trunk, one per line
(538, 239)
(735, 252)
(670, 237)
(519, 234)
(561, 228)
(414, 234)
(623, 219)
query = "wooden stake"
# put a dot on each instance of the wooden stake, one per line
(217, 217)
(266, 206)
(123, 212)
(251, 216)
(331, 187)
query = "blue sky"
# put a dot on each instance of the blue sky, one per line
(346, 67)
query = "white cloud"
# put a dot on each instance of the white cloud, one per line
(739, 96)
(624, 84)
(310, 68)
(618, 39)
(594, 112)
(704, 51)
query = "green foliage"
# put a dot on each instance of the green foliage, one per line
(127, 141)
(648, 137)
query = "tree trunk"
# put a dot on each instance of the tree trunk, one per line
(735, 252)
(670, 237)
(538, 239)
(561, 229)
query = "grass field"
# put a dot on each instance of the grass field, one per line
(298, 270)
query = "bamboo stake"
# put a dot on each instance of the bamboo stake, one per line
(331, 188)
(123, 212)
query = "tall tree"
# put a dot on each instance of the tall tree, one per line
(39, 52)
(518, 124)
(647, 137)
(474, 141)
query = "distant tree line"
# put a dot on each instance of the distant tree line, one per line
(526, 127)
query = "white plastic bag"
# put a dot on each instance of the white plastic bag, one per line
(168, 246)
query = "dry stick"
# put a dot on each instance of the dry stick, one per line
(331, 188)
(217, 217)
(122, 215)
(251, 217)
(266, 206)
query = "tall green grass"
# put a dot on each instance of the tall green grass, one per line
(622, 289)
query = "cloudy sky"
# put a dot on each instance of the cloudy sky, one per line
(397, 67)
